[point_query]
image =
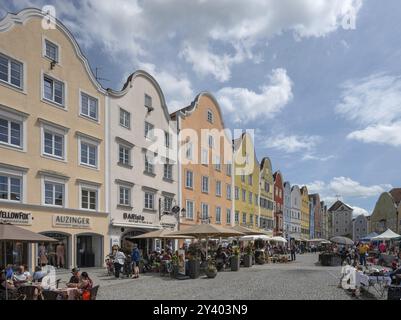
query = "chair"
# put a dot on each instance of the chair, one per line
(50, 295)
(93, 292)
(27, 292)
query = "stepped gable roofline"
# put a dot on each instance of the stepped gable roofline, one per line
(20, 18)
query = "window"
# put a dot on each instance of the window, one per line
(189, 209)
(168, 204)
(211, 141)
(54, 194)
(189, 179)
(236, 216)
(205, 184)
(251, 219)
(228, 169)
(125, 196)
(51, 50)
(205, 211)
(250, 179)
(167, 139)
(217, 163)
(10, 188)
(250, 199)
(124, 155)
(210, 116)
(228, 216)
(10, 133)
(243, 195)
(125, 119)
(218, 215)
(188, 151)
(242, 176)
(88, 154)
(149, 167)
(149, 131)
(236, 193)
(228, 191)
(218, 188)
(11, 71)
(148, 101)
(168, 171)
(256, 200)
(53, 144)
(88, 199)
(53, 90)
(205, 157)
(149, 200)
(244, 218)
(89, 106)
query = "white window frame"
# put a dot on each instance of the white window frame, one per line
(90, 97)
(53, 130)
(236, 216)
(54, 43)
(125, 187)
(14, 175)
(229, 169)
(149, 131)
(211, 118)
(62, 105)
(165, 200)
(191, 179)
(53, 180)
(121, 114)
(228, 216)
(228, 192)
(89, 188)
(204, 206)
(217, 163)
(218, 215)
(244, 215)
(93, 144)
(127, 148)
(149, 163)
(210, 141)
(22, 76)
(205, 157)
(189, 216)
(145, 97)
(207, 185)
(168, 140)
(169, 170)
(218, 188)
(145, 204)
(9, 117)
(236, 193)
(189, 151)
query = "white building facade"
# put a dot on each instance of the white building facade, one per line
(142, 155)
(287, 209)
(295, 222)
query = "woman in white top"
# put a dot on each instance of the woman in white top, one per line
(119, 260)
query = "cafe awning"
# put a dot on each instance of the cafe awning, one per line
(9, 232)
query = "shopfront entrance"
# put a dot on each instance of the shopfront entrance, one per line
(15, 253)
(89, 248)
(58, 254)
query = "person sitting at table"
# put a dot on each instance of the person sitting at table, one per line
(21, 276)
(5, 283)
(38, 275)
(85, 284)
(74, 280)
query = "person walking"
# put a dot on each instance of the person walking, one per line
(119, 260)
(60, 252)
(42, 254)
(363, 249)
(293, 251)
(136, 258)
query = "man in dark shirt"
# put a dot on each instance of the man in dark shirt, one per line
(74, 280)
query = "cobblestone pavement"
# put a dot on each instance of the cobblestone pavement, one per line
(299, 280)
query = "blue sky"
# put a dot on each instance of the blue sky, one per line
(323, 97)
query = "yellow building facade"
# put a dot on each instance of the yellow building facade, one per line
(266, 189)
(246, 190)
(52, 143)
(305, 215)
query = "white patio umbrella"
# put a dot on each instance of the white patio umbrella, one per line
(387, 235)
(279, 239)
(256, 237)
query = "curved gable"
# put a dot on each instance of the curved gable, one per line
(22, 17)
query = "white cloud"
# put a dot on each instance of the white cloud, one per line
(245, 105)
(359, 211)
(346, 188)
(309, 156)
(210, 35)
(293, 143)
(374, 104)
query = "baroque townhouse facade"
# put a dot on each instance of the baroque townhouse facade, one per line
(287, 209)
(279, 203)
(206, 181)
(246, 177)
(143, 162)
(52, 143)
(266, 191)
(295, 224)
(305, 219)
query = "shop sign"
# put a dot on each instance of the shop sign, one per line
(135, 218)
(62, 221)
(14, 217)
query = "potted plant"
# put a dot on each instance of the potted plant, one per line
(175, 265)
(194, 252)
(211, 270)
(235, 259)
(248, 257)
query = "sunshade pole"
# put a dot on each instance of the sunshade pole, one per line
(5, 263)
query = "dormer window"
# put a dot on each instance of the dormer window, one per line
(51, 51)
(148, 103)
(210, 116)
